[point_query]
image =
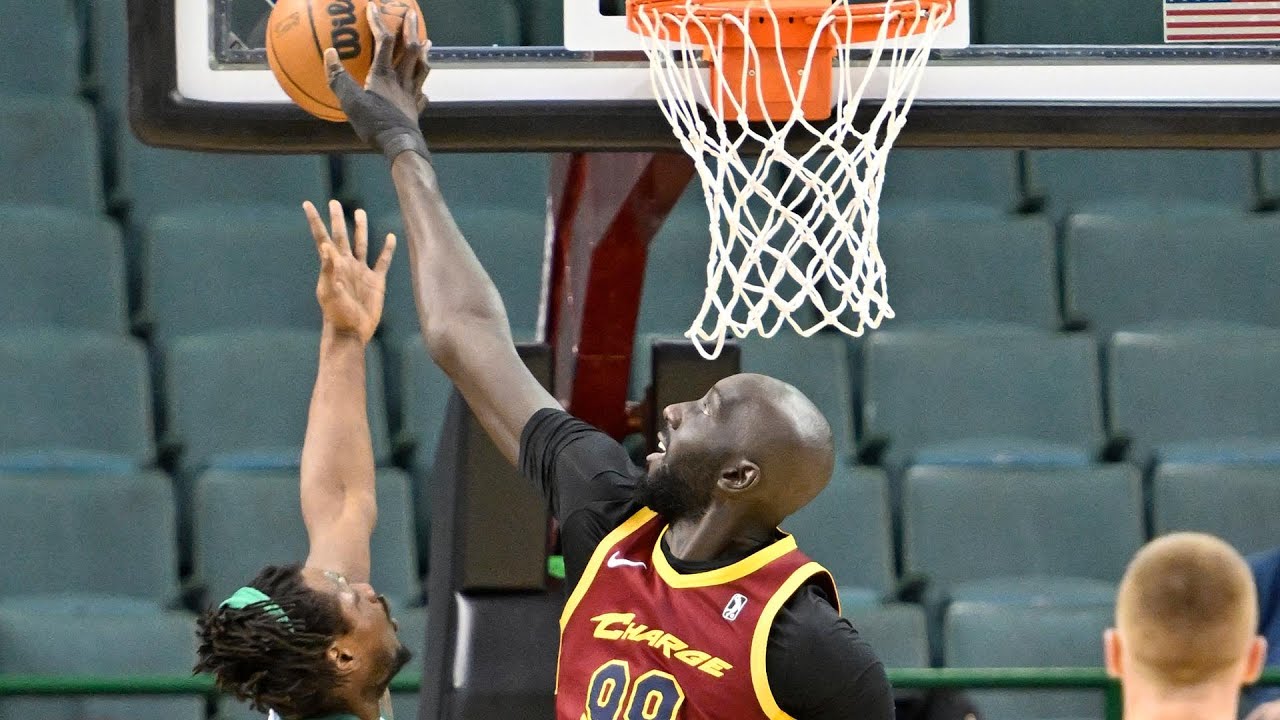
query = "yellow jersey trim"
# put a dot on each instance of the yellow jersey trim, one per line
(760, 639)
(632, 524)
(719, 576)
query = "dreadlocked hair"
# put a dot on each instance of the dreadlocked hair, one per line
(271, 664)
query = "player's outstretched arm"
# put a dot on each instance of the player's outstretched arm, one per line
(463, 320)
(338, 501)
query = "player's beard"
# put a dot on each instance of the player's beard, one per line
(676, 493)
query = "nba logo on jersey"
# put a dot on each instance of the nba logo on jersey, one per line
(734, 608)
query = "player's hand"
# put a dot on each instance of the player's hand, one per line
(385, 111)
(350, 292)
(1266, 711)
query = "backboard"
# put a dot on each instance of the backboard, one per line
(199, 79)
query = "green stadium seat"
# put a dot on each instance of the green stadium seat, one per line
(424, 397)
(979, 635)
(969, 393)
(847, 529)
(88, 533)
(74, 400)
(952, 182)
(474, 23)
(818, 366)
(42, 55)
(1237, 503)
(542, 22)
(1095, 22)
(1127, 270)
(245, 520)
(1216, 181)
(509, 242)
(1202, 394)
(896, 631)
(518, 180)
(51, 145)
(239, 400)
(97, 640)
(980, 532)
(151, 180)
(63, 270)
(1269, 178)
(947, 267)
(212, 269)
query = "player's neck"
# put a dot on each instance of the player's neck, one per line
(1147, 702)
(718, 533)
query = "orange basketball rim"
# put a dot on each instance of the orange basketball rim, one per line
(773, 38)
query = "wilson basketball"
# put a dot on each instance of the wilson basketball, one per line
(299, 31)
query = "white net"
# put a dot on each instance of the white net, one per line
(793, 235)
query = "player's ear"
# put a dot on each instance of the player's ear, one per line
(739, 476)
(1256, 658)
(1112, 651)
(342, 655)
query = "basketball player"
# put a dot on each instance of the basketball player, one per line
(314, 640)
(1185, 639)
(686, 600)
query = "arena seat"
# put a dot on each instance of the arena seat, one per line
(818, 366)
(952, 181)
(896, 631)
(1020, 535)
(1122, 270)
(847, 529)
(946, 267)
(1043, 22)
(217, 268)
(424, 397)
(979, 635)
(117, 640)
(152, 180)
(74, 400)
(245, 520)
(63, 270)
(88, 533)
(509, 242)
(1269, 178)
(239, 400)
(44, 54)
(1203, 394)
(1151, 180)
(515, 180)
(1235, 502)
(970, 393)
(50, 153)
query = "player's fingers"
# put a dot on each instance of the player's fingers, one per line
(362, 235)
(326, 260)
(318, 231)
(406, 67)
(384, 43)
(338, 227)
(384, 259)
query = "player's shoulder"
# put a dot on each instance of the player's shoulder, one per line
(810, 619)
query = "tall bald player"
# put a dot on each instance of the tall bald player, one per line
(1185, 639)
(687, 601)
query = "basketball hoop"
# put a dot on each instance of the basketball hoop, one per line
(776, 66)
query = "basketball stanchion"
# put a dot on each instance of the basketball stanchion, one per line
(783, 74)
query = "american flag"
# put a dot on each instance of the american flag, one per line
(1221, 21)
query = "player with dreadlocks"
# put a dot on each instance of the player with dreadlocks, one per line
(314, 640)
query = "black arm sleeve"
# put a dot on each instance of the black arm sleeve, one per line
(586, 477)
(820, 668)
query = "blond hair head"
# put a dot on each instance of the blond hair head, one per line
(1187, 610)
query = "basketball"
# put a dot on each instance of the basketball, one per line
(299, 31)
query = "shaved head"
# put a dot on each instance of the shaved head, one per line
(753, 441)
(1187, 611)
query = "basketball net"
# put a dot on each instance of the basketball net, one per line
(800, 252)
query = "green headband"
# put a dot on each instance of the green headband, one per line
(246, 596)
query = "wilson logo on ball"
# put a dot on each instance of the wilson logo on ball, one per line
(345, 36)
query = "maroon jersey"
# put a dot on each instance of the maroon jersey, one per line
(639, 641)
